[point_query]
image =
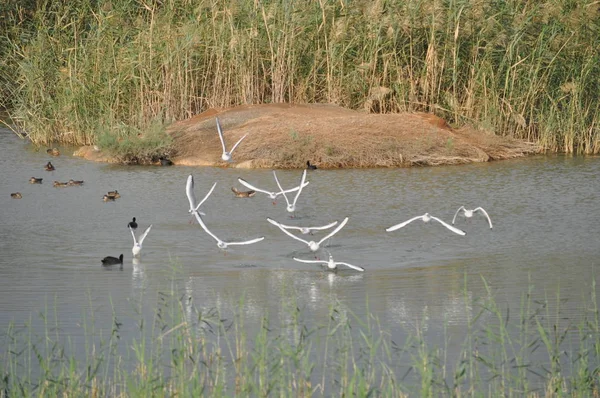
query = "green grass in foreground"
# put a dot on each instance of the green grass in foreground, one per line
(187, 351)
(73, 71)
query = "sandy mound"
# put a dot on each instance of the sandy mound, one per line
(286, 136)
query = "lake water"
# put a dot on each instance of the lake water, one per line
(544, 209)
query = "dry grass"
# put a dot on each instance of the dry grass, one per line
(286, 136)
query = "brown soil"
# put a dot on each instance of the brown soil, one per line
(286, 136)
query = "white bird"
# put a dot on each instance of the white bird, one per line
(469, 214)
(291, 207)
(137, 244)
(222, 244)
(189, 191)
(314, 246)
(426, 218)
(272, 195)
(226, 156)
(331, 264)
(305, 230)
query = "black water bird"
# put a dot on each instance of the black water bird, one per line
(34, 180)
(310, 166)
(49, 167)
(110, 260)
(132, 224)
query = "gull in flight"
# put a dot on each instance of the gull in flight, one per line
(305, 230)
(426, 218)
(272, 195)
(222, 244)
(291, 207)
(331, 264)
(314, 246)
(469, 214)
(226, 156)
(189, 191)
(137, 244)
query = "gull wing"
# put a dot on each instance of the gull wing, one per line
(456, 214)
(189, 191)
(286, 231)
(310, 261)
(206, 197)
(220, 131)
(324, 226)
(133, 234)
(252, 187)
(237, 143)
(300, 186)
(356, 267)
(204, 227)
(144, 234)
(484, 213)
(292, 189)
(402, 224)
(450, 227)
(280, 188)
(334, 231)
(246, 242)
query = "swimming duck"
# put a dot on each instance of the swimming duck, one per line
(310, 166)
(34, 180)
(49, 167)
(58, 184)
(110, 260)
(132, 224)
(108, 198)
(53, 151)
(16, 195)
(74, 182)
(243, 194)
(165, 161)
(115, 194)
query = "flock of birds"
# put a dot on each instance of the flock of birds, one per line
(291, 207)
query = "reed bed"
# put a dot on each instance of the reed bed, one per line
(74, 71)
(185, 350)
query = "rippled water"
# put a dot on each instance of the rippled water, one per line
(544, 209)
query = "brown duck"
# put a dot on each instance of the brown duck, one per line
(243, 194)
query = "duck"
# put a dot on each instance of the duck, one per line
(310, 166)
(110, 260)
(108, 198)
(16, 195)
(115, 194)
(49, 167)
(58, 184)
(34, 180)
(132, 224)
(53, 151)
(243, 194)
(164, 161)
(74, 182)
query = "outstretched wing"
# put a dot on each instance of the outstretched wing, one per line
(134, 238)
(324, 226)
(237, 143)
(205, 228)
(310, 261)
(281, 189)
(450, 227)
(356, 267)
(144, 234)
(292, 189)
(484, 213)
(220, 131)
(335, 231)
(300, 186)
(252, 187)
(189, 191)
(206, 197)
(456, 214)
(286, 231)
(246, 242)
(402, 224)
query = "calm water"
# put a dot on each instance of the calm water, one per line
(544, 209)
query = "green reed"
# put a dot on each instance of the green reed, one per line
(75, 71)
(186, 350)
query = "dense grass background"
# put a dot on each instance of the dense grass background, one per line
(73, 71)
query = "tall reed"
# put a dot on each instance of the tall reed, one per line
(72, 71)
